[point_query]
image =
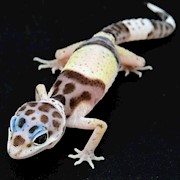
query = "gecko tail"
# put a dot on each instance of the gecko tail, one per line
(162, 14)
(143, 28)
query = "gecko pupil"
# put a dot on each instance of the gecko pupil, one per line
(41, 139)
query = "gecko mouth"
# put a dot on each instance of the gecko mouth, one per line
(9, 138)
(16, 153)
(20, 154)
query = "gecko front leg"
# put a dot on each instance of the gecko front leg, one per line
(87, 154)
(55, 64)
(40, 92)
(61, 58)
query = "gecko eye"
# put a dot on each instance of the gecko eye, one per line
(41, 139)
(40, 136)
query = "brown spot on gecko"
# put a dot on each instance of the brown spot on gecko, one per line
(129, 23)
(154, 23)
(162, 15)
(67, 116)
(142, 22)
(32, 104)
(50, 133)
(29, 112)
(56, 87)
(100, 125)
(123, 38)
(60, 98)
(33, 118)
(21, 122)
(119, 27)
(118, 30)
(45, 107)
(108, 30)
(115, 28)
(157, 29)
(83, 80)
(57, 83)
(55, 91)
(29, 145)
(32, 129)
(161, 30)
(44, 119)
(168, 29)
(56, 124)
(167, 26)
(150, 35)
(85, 96)
(18, 141)
(22, 108)
(69, 88)
(56, 114)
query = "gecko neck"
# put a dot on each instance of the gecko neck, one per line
(57, 104)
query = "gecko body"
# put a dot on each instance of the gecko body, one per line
(88, 69)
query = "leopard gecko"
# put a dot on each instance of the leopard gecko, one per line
(88, 69)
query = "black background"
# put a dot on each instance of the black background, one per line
(143, 138)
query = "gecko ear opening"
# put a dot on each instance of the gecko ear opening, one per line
(54, 139)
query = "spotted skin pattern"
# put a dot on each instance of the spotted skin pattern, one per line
(32, 120)
(75, 89)
(88, 69)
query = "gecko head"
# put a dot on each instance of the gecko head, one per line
(36, 126)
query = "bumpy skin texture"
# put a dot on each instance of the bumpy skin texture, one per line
(88, 69)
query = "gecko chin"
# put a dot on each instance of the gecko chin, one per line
(22, 154)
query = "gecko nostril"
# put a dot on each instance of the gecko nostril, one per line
(29, 145)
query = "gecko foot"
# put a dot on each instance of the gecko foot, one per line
(135, 70)
(53, 64)
(85, 156)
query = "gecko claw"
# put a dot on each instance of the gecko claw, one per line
(85, 156)
(135, 70)
(127, 72)
(138, 73)
(53, 64)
